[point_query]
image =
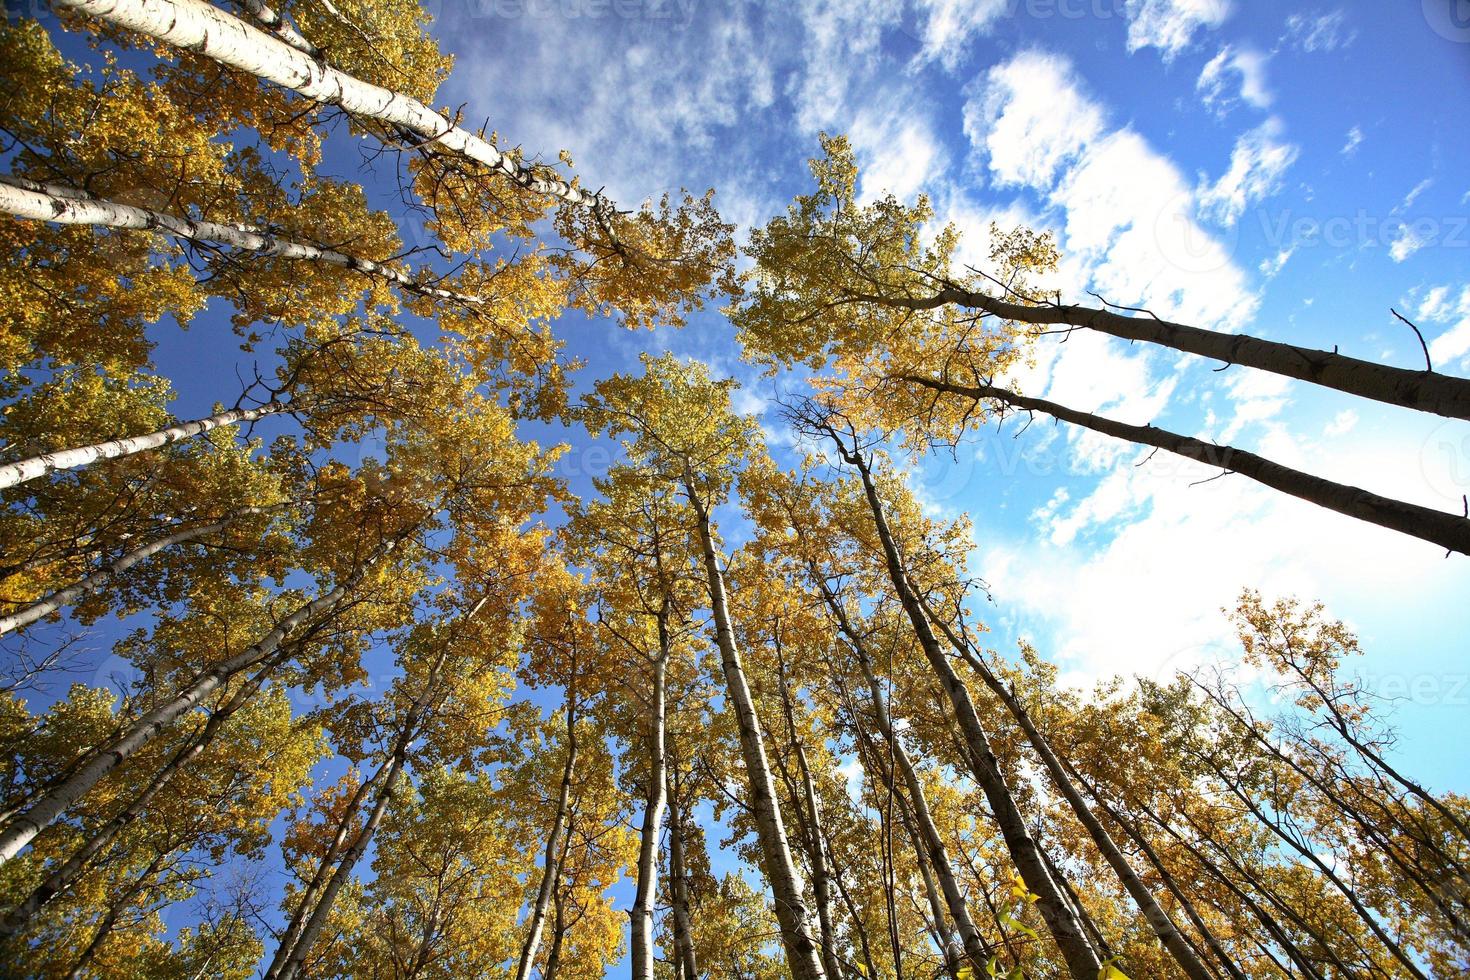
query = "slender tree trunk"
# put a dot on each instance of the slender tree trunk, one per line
(1447, 530)
(1158, 920)
(109, 921)
(653, 811)
(59, 880)
(25, 470)
(678, 880)
(208, 31)
(1162, 870)
(801, 951)
(294, 963)
(558, 935)
(1422, 390)
(552, 871)
(52, 804)
(809, 819)
(975, 946)
(58, 600)
(302, 931)
(1081, 959)
(277, 26)
(65, 205)
(950, 949)
(1303, 848)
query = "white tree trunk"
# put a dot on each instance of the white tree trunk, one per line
(802, 957)
(206, 30)
(65, 597)
(552, 870)
(25, 470)
(648, 841)
(343, 871)
(50, 805)
(68, 206)
(1158, 920)
(272, 22)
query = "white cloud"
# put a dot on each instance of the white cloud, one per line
(1320, 32)
(1452, 344)
(1131, 578)
(1342, 423)
(1271, 267)
(1257, 164)
(1031, 118)
(1170, 25)
(1435, 303)
(897, 151)
(1408, 242)
(1128, 222)
(1249, 67)
(950, 24)
(1354, 140)
(1414, 194)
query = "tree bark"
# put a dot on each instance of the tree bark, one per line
(653, 811)
(25, 470)
(552, 870)
(64, 876)
(801, 951)
(821, 887)
(1078, 953)
(933, 849)
(296, 960)
(1158, 920)
(1424, 391)
(678, 871)
(56, 601)
(272, 22)
(41, 813)
(206, 30)
(1447, 530)
(65, 205)
(302, 931)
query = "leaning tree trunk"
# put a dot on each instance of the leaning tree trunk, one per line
(58, 600)
(65, 205)
(1424, 391)
(812, 818)
(70, 870)
(653, 812)
(206, 30)
(951, 949)
(802, 956)
(25, 470)
(40, 814)
(679, 883)
(552, 870)
(1078, 953)
(934, 852)
(1158, 920)
(302, 932)
(295, 960)
(1449, 531)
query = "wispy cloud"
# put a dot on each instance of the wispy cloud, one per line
(1170, 25)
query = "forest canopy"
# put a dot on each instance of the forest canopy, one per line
(368, 669)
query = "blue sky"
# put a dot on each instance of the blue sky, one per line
(1290, 171)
